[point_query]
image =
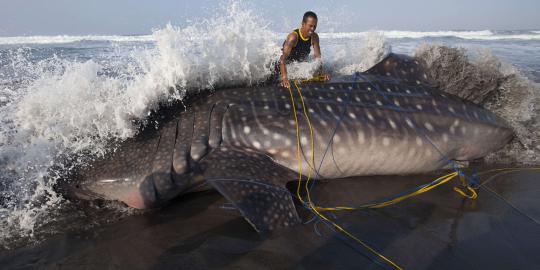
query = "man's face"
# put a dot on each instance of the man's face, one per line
(309, 26)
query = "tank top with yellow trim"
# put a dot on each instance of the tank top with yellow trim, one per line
(301, 49)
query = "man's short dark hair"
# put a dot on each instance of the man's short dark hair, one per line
(309, 14)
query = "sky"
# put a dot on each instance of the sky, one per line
(132, 17)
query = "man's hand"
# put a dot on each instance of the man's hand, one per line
(285, 82)
(326, 77)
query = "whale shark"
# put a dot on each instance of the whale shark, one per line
(243, 142)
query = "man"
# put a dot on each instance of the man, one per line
(298, 44)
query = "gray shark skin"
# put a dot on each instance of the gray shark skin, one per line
(242, 142)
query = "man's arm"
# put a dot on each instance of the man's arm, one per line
(287, 48)
(317, 53)
(316, 46)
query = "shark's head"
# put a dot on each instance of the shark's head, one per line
(132, 175)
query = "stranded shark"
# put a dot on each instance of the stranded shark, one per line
(242, 141)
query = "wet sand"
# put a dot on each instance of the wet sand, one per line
(437, 230)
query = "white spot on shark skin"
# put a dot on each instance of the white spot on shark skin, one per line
(352, 115)
(379, 103)
(324, 123)
(328, 108)
(409, 122)
(265, 131)
(428, 152)
(310, 110)
(339, 99)
(285, 154)
(434, 103)
(257, 144)
(452, 130)
(357, 98)
(288, 142)
(451, 109)
(445, 137)
(292, 122)
(247, 129)
(408, 91)
(336, 138)
(397, 103)
(370, 117)
(463, 130)
(392, 124)
(269, 116)
(429, 126)
(361, 137)
(287, 106)
(350, 87)
(304, 140)
(272, 151)
(419, 141)
(276, 136)
(243, 118)
(475, 113)
(331, 88)
(388, 89)
(418, 106)
(266, 107)
(267, 143)
(386, 141)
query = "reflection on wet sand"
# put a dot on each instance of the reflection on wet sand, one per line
(436, 230)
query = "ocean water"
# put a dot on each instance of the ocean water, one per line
(64, 98)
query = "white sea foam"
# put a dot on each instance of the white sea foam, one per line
(367, 52)
(69, 106)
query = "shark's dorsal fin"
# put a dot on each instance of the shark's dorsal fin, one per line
(254, 184)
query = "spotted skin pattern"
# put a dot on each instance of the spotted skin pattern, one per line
(242, 141)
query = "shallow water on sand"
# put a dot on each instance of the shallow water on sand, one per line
(437, 230)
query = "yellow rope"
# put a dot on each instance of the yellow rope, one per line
(310, 203)
(317, 209)
(298, 154)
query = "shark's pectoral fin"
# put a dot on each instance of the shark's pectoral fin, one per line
(265, 207)
(255, 185)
